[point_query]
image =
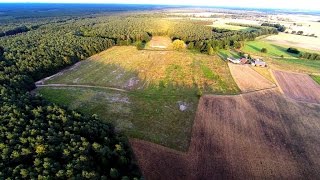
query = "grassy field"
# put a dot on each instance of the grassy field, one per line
(162, 90)
(149, 115)
(316, 78)
(264, 72)
(254, 47)
(128, 68)
(224, 54)
(290, 62)
(295, 65)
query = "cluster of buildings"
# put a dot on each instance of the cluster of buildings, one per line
(245, 60)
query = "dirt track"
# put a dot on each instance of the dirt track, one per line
(300, 87)
(80, 86)
(251, 136)
(249, 80)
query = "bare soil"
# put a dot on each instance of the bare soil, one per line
(159, 42)
(300, 87)
(259, 135)
(248, 79)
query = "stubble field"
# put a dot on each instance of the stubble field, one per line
(148, 94)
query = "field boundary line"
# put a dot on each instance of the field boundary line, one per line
(258, 90)
(275, 79)
(242, 93)
(81, 86)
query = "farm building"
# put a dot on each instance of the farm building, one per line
(235, 61)
(258, 62)
(244, 61)
(238, 61)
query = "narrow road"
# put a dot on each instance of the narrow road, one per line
(81, 86)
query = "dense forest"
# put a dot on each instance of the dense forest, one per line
(42, 140)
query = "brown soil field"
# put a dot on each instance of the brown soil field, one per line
(248, 79)
(300, 87)
(258, 135)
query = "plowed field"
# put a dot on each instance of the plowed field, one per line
(259, 135)
(248, 79)
(300, 87)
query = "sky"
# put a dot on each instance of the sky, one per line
(276, 4)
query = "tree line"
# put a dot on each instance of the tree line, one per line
(14, 31)
(310, 56)
(279, 27)
(304, 55)
(204, 38)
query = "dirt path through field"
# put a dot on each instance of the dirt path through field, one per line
(248, 79)
(300, 87)
(251, 136)
(80, 86)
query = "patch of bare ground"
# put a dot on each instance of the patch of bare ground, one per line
(259, 135)
(248, 79)
(300, 87)
(159, 42)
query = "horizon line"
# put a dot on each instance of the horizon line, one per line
(172, 5)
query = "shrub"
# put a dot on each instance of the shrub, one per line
(293, 50)
(264, 50)
(311, 56)
(241, 54)
(237, 45)
(300, 32)
(140, 45)
(210, 50)
(178, 44)
(199, 93)
(191, 45)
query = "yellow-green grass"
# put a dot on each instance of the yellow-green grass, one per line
(290, 62)
(151, 115)
(128, 68)
(254, 47)
(264, 72)
(274, 50)
(157, 83)
(316, 78)
(295, 65)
